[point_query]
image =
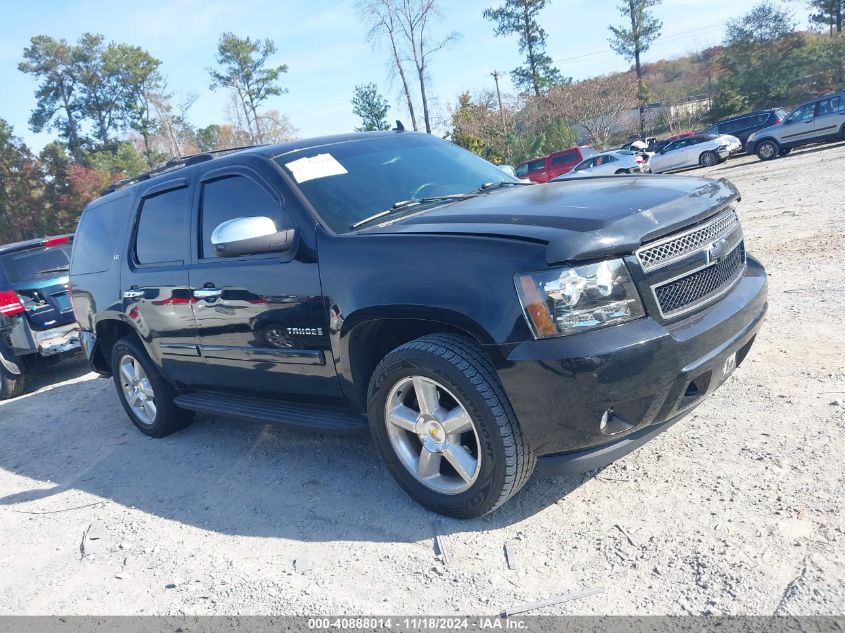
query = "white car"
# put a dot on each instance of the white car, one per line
(618, 161)
(691, 151)
(733, 143)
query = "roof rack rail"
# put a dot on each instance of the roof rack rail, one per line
(173, 164)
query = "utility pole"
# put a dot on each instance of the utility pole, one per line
(495, 75)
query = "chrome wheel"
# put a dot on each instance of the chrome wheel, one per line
(137, 390)
(708, 159)
(433, 435)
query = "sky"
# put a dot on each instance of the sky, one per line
(326, 48)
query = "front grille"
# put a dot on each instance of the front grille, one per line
(663, 252)
(686, 293)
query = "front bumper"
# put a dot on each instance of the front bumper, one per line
(573, 394)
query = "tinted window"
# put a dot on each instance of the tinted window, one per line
(521, 170)
(235, 197)
(97, 236)
(572, 156)
(162, 226)
(36, 263)
(837, 104)
(830, 106)
(537, 165)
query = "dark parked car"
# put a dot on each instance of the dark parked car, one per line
(480, 327)
(745, 125)
(36, 318)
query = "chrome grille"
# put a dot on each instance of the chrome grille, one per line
(693, 290)
(663, 252)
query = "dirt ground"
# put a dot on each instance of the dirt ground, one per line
(738, 509)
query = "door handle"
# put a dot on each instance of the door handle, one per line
(207, 293)
(133, 293)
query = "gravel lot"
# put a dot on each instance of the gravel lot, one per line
(736, 510)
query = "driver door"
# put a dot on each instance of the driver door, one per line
(262, 323)
(800, 125)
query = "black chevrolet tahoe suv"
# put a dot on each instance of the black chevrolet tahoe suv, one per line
(483, 328)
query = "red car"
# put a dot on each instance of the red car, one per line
(550, 167)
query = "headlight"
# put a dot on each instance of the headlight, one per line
(566, 301)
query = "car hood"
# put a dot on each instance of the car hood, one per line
(578, 219)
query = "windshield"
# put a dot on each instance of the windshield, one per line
(37, 263)
(351, 181)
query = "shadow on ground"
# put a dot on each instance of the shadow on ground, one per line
(218, 474)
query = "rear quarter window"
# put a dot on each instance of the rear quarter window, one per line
(97, 237)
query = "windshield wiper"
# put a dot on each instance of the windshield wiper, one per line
(55, 270)
(491, 186)
(404, 204)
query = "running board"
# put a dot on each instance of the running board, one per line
(311, 417)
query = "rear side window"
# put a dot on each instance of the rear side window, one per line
(235, 197)
(36, 263)
(572, 156)
(97, 236)
(162, 224)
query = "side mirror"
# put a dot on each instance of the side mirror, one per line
(508, 170)
(251, 236)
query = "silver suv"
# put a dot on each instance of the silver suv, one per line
(821, 119)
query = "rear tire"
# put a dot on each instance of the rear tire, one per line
(622, 171)
(708, 159)
(767, 150)
(145, 395)
(457, 382)
(11, 385)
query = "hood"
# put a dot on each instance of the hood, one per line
(578, 219)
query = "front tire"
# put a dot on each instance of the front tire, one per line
(445, 427)
(708, 159)
(145, 395)
(767, 150)
(784, 151)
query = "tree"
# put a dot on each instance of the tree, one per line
(380, 16)
(827, 14)
(20, 189)
(207, 138)
(727, 102)
(520, 17)
(368, 104)
(760, 55)
(596, 106)
(245, 71)
(58, 103)
(631, 41)
(415, 18)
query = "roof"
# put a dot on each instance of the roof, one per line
(22, 246)
(268, 151)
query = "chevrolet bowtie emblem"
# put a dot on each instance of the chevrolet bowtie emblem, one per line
(717, 250)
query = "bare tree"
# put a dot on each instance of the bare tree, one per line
(380, 16)
(597, 106)
(415, 18)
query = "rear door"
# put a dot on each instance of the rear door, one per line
(156, 297)
(563, 162)
(39, 276)
(830, 117)
(263, 325)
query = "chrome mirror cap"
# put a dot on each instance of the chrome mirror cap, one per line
(250, 236)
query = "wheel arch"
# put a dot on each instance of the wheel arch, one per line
(108, 332)
(367, 337)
